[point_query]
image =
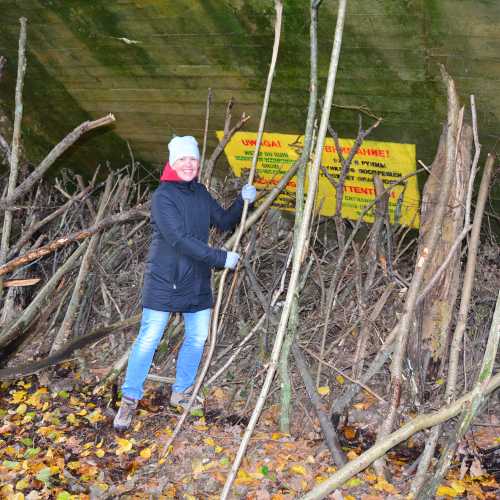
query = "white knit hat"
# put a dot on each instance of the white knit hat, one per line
(181, 146)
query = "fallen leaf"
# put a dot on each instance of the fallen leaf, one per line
(22, 484)
(340, 379)
(446, 491)
(323, 390)
(124, 445)
(355, 481)
(145, 453)
(298, 469)
(383, 485)
(349, 432)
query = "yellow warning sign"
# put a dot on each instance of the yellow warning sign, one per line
(390, 161)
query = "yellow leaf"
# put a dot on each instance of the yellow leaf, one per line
(323, 390)
(243, 477)
(298, 469)
(319, 479)
(18, 396)
(440, 381)
(370, 477)
(146, 453)
(21, 409)
(95, 416)
(100, 453)
(209, 441)
(86, 446)
(200, 427)
(349, 497)
(383, 485)
(351, 455)
(22, 484)
(458, 486)
(124, 445)
(218, 449)
(353, 482)
(446, 491)
(82, 413)
(73, 465)
(275, 436)
(71, 419)
(340, 379)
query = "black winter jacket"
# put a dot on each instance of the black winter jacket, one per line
(177, 275)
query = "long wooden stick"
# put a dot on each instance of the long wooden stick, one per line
(67, 350)
(54, 154)
(215, 314)
(369, 456)
(138, 212)
(297, 258)
(16, 140)
(293, 323)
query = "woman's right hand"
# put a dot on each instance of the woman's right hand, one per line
(232, 259)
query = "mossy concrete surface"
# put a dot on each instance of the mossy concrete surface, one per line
(150, 62)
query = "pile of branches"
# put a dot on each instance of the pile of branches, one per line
(73, 254)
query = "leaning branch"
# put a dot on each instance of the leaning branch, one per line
(138, 212)
(56, 152)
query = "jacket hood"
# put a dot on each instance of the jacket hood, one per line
(169, 174)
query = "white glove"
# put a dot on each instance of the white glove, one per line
(232, 259)
(249, 193)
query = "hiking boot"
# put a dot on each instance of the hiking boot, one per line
(125, 414)
(182, 399)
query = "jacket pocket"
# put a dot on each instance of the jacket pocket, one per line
(184, 272)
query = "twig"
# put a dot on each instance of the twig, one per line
(297, 257)
(327, 427)
(205, 133)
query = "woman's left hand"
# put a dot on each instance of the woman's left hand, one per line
(249, 193)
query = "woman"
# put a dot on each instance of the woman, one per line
(177, 276)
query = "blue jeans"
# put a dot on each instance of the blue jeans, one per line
(153, 323)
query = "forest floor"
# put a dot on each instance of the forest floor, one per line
(62, 445)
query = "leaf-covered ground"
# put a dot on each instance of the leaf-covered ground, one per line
(62, 445)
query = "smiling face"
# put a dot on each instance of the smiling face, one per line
(186, 168)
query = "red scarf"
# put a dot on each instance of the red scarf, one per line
(169, 174)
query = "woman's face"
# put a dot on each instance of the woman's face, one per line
(186, 168)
